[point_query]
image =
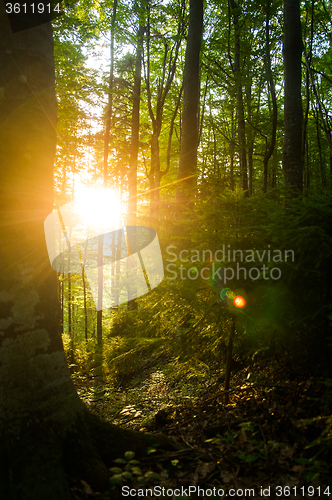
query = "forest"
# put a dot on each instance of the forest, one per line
(166, 249)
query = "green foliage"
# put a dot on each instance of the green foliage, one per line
(129, 471)
(184, 319)
(251, 449)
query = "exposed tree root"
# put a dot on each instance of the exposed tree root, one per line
(41, 462)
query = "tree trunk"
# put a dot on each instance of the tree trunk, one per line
(132, 178)
(105, 174)
(231, 154)
(229, 360)
(250, 139)
(293, 116)
(163, 88)
(190, 122)
(45, 430)
(270, 149)
(239, 98)
(84, 296)
(154, 175)
(110, 97)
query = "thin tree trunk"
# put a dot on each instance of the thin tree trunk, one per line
(62, 288)
(321, 160)
(132, 178)
(164, 85)
(171, 128)
(190, 122)
(232, 152)
(110, 96)
(229, 360)
(84, 296)
(105, 175)
(293, 116)
(305, 153)
(270, 149)
(235, 9)
(250, 140)
(319, 104)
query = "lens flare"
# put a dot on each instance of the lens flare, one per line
(239, 301)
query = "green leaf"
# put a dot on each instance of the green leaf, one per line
(116, 470)
(117, 478)
(127, 475)
(152, 475)
(141, 480)
(120, 461)
(136, 470)
(129, 455)
(134, 462)
(151, 450)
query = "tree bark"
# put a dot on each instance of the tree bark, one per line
(229, 360)
(132, 177)
(270, 149)
(132, 184)
(34, 378)
(163, 88)
(250, 139)
(190, 122)
(46, 433)
(105, 175)
(235, 9)
(293, 116)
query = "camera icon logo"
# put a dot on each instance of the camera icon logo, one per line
(120, 263)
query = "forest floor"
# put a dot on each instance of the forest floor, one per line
(273, 439)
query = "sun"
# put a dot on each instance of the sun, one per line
(98, 207)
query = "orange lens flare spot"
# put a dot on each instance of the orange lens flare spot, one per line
(239, 301)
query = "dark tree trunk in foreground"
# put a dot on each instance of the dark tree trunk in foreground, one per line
(190, 122)
(293, 115)
(45, 430)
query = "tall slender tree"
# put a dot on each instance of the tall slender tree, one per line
(190, 113)
(270, 148)
(134, 143)
(235, 12)
(105, 174)
(156, 110)
(293, 114)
